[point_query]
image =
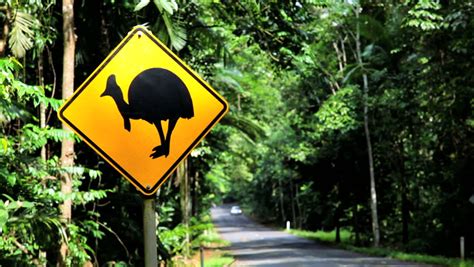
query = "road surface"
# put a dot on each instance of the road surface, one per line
(255, 245)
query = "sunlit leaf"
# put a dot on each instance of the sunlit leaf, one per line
(3, 214)
(141, 5)
(170, 6)
(176, 33)
(22, 33)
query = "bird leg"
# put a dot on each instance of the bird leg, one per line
(171, 125)
(164, 148)
(158, 151)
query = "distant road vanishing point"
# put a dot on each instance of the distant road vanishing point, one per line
(255, 245)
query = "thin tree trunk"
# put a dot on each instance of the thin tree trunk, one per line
(404, 194)
(344, 55)
(282, 208)
(338, 228)
(192, 189)
(42, 254)
(194, 192)
(338, 210)
(104, 32)
(293, 209)
(67, 145)
(5, 31)
(405, 211)
(356, 225)
(373, 193)
(298, 205)
(183, 178)
(42, 106)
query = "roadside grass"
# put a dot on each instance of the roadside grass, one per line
(219, 258)
(214, 249)
(322, 236)
(211, 239)
(412, 257)
(346, 243)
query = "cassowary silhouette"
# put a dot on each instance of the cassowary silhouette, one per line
(154, 95)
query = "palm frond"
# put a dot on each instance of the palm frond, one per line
(141, 5)
(245, 125)
(176, 33)
(170, 6)
(168, 30)
(229, 78)
(22, 34)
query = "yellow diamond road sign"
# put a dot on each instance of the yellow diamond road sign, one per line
(143, 110)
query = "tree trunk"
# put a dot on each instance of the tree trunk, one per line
(338, 228)
(373, 193)
(338, 209)
(5, 31)
(356, 225)
(298, 205)
(183, 178)
(42, 110)
(293, 209)
(405, 211)
(194, 194)
(67, 145)
(282, 208)
(42, 107)
(404, 194)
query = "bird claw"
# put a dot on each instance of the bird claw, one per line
(158, 152)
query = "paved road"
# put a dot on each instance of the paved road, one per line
(257, 245)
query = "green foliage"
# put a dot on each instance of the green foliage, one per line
(168, 29)
(174, 239)
(347, 243)
(311, 166)
(412, 257)
(423, 15)
(338, 113)
(22, 216)
(322, 236)
(29, 28)
(22, 33)
(30, 189)
(224, 259)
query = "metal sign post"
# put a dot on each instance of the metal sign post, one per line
(149, 232)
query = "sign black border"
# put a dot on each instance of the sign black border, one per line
(163, 178)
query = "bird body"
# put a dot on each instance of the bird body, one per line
(154, 95)
(158, 94)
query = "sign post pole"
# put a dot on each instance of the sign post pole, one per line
(149, 232)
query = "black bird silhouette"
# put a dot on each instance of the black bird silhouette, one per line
(154, 95)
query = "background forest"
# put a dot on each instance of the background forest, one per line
(355, 115)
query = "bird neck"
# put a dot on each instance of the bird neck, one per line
(122, 106)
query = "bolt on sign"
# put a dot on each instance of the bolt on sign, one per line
(143, 110)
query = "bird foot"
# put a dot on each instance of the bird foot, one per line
(159, 151)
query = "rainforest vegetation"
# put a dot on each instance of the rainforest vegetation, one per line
(344, 115)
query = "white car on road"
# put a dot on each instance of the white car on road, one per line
(235, 210)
